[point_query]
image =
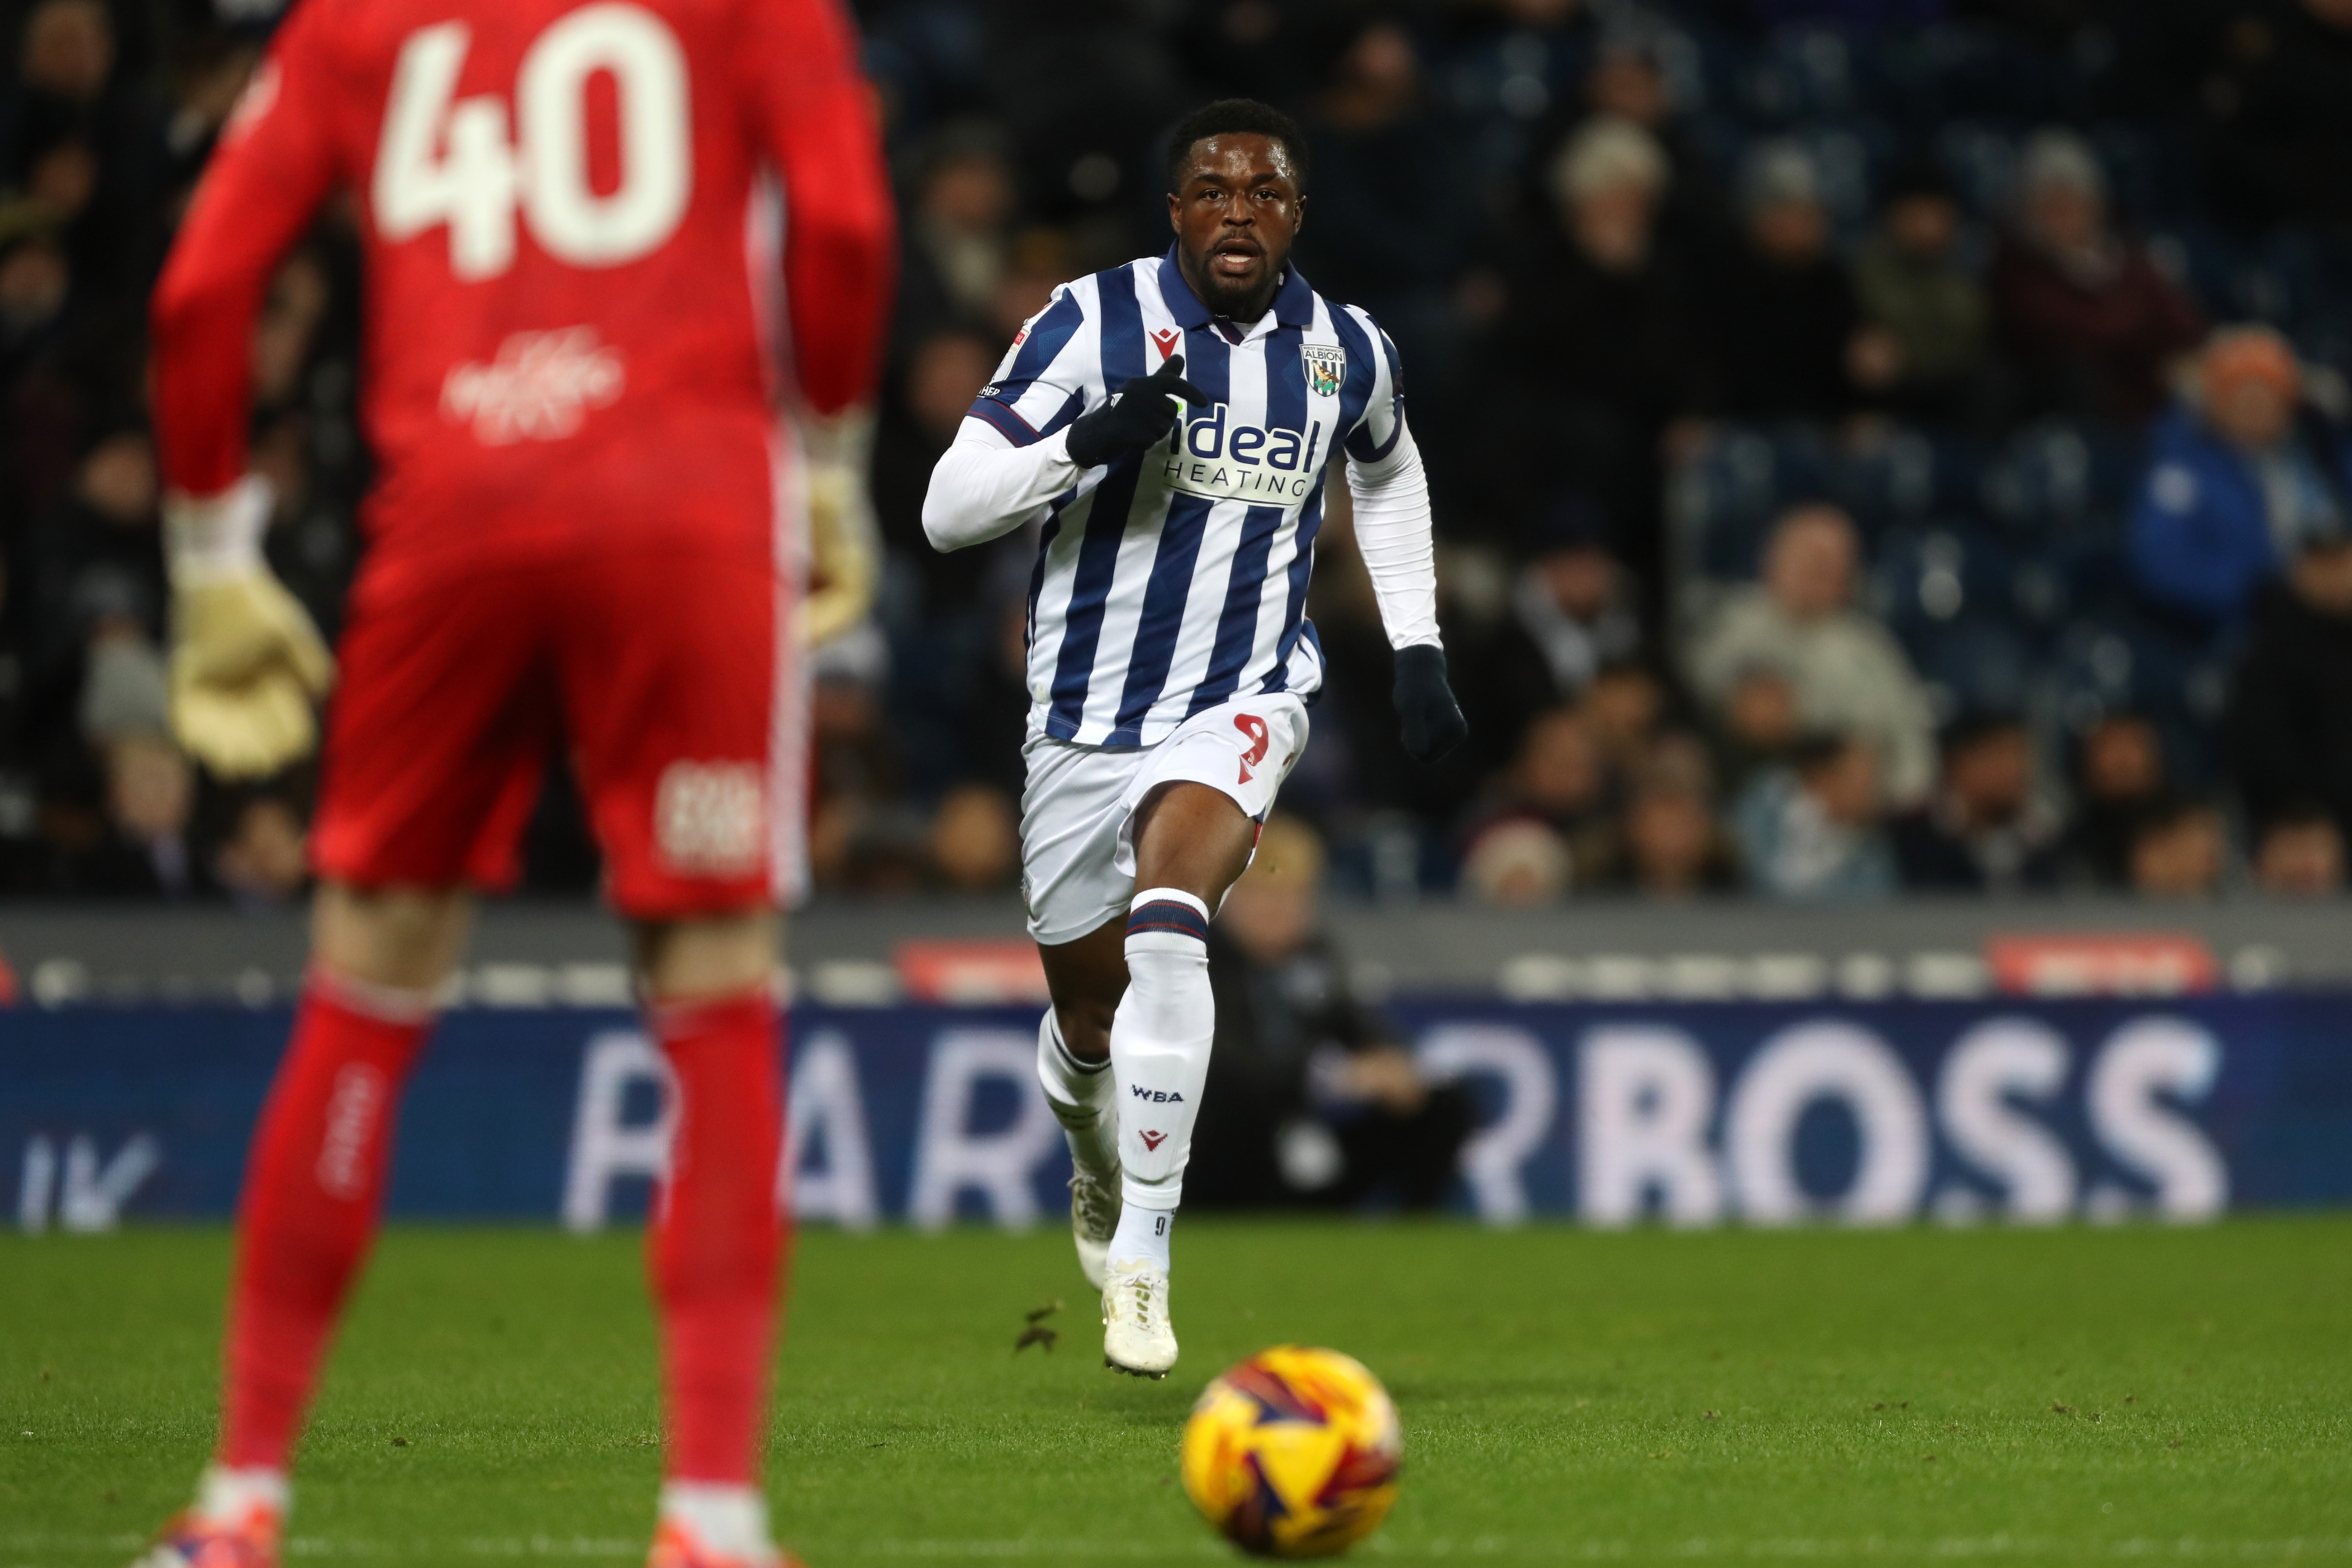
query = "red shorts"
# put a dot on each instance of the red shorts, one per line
(659, 664)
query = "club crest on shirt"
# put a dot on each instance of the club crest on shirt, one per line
(1326, 365)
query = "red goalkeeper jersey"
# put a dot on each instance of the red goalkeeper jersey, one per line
(562, 300)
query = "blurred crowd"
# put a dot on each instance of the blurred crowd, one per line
(1878, 445)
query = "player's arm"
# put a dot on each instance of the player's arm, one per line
(246, 662)
(1042, 426)
(1393, 536)
(815, 117)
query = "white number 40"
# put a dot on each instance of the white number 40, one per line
(445, 160)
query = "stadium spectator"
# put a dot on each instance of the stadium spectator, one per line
(1372, 131)
(1628, 81)
(2290, 717)
(863, 837)
(1926, 358)
(1671, 845)
(935, 383)
(2119, 771)
(1595, 350)
(1570, 615)
(1517, 863)
(1311, 1097)
(1814, 830)
(1847, 673)
(2235, 478)
(94, 566)
(975, 840)
(69, 360)
(2082, 310)
(86, 139)
(1559, 780)
(2300, 853)
(2180, 850)
(139, 846)
(958, 232)
(261, 860)
(1986, 828)
(1784, 329)
(1756, 726)
(1627, 706)
(35, 279)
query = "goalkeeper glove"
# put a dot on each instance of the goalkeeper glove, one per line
(247, 664)
(842, 532)
(1428, 717)
(1136, 419)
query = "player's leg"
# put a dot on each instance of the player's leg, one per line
(718, 1238)
(1191, 841)
(429, 769)
(668, 659)
(1191, 827)
(1074, 808)
(1085, 979)
(313, 1191)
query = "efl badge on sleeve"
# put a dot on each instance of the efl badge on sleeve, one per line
(1326, 365)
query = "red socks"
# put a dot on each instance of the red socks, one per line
(717, 1234)
(313, 1187)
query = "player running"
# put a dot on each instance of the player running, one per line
(1170, 662)
(575, 521)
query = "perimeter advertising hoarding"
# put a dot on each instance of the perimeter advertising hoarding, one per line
(1691, 1114)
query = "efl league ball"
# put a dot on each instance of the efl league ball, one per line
(1293, 1453)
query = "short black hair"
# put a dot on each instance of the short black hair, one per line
(1229, 116)
(1973, 725)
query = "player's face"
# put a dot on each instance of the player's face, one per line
(1235, 212)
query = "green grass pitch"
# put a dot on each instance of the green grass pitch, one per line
(2066, 1396)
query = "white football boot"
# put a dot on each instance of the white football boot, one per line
(1137, 1338)
(1094, 1219)
(710, 1526)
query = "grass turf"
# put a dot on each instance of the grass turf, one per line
(2051, 1396)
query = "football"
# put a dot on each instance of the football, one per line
(1293, 1453)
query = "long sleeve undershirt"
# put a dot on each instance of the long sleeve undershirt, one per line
(984, 488)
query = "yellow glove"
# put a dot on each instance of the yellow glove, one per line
(247, 664)
(843, 553)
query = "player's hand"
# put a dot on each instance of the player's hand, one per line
(248, 667)
(1136, 419)
(1428, 717)
(842, 554)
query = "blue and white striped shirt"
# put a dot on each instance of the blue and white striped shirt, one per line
(1175, 579)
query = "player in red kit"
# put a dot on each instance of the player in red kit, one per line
(575, 523)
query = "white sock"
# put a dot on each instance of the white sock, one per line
(1159, 1040)
(732, 1522)
(1142, 1235)
(1080, 1094)
(227, 1497)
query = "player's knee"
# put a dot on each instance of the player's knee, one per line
(1085, 1026)
(705, 957)
(405, 939)
(1192, 837)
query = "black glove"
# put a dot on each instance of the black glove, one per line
(1139, 418)
(1428, 717)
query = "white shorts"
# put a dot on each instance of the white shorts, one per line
(1077, 846)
